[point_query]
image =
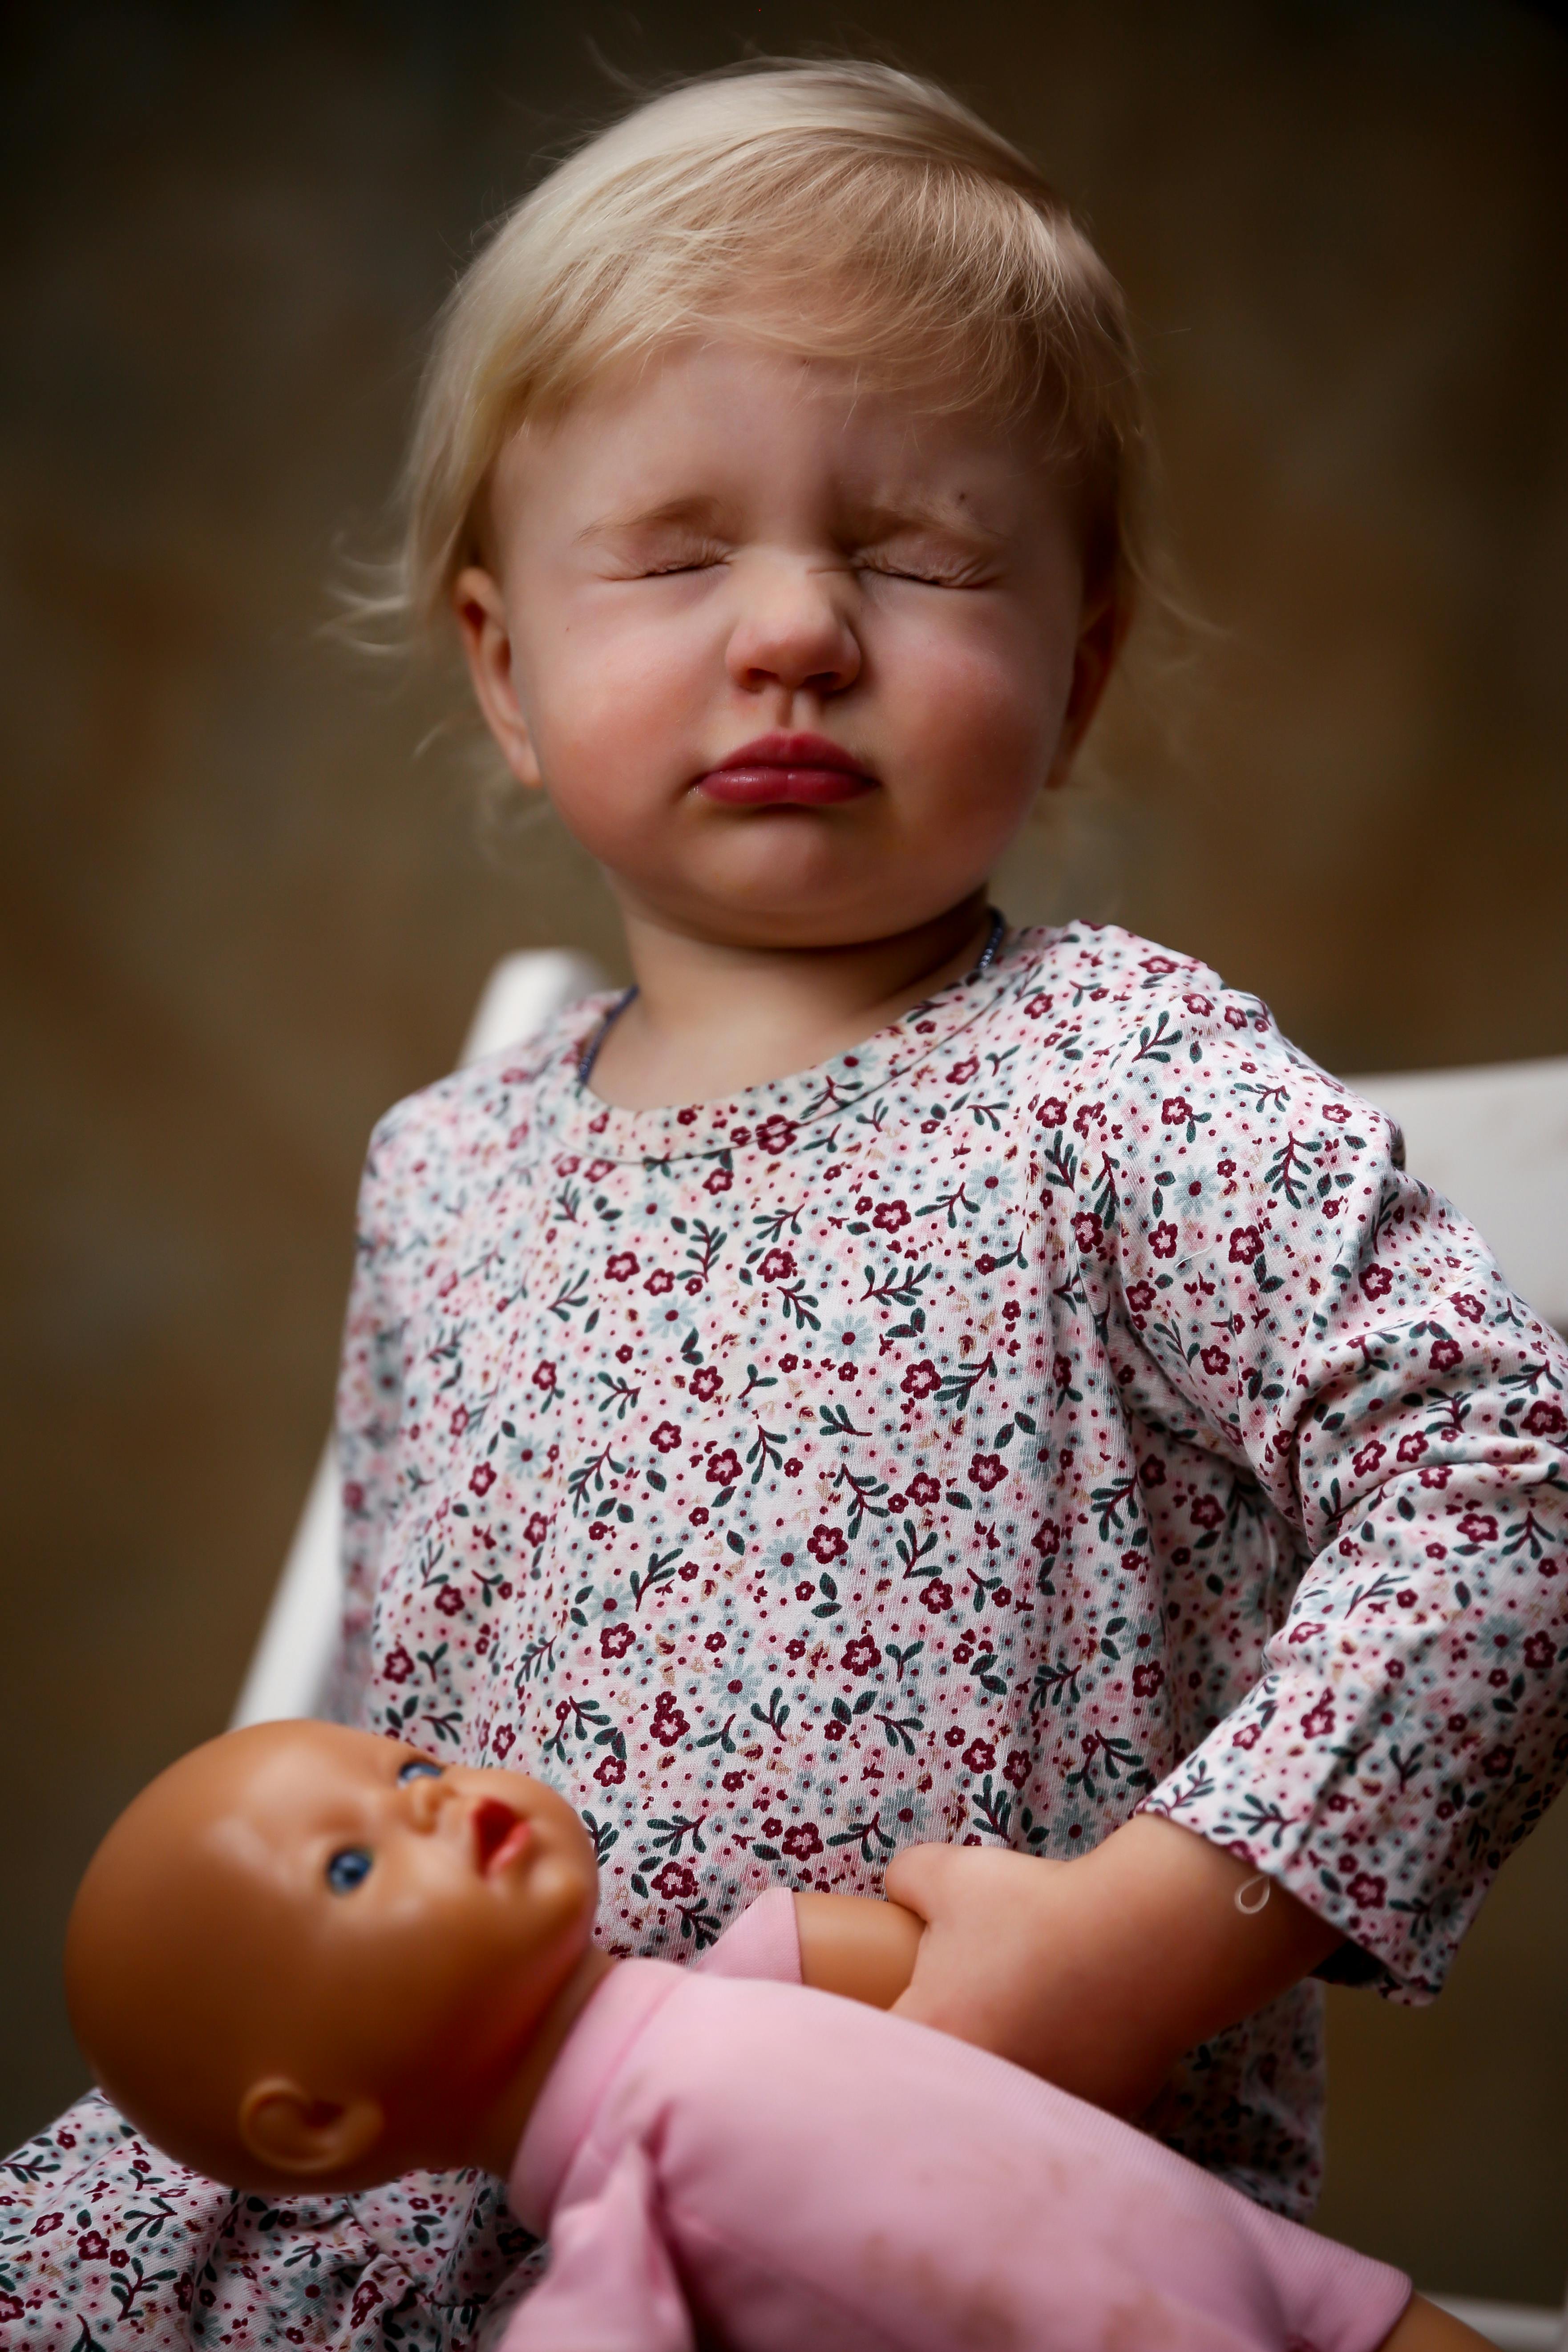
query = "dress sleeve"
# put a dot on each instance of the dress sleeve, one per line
(1273, 1287)
(610, 2280)
(368, 1398)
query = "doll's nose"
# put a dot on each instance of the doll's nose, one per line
(428, 1800)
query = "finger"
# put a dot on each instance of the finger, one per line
(920, 1877)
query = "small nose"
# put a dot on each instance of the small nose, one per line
(427, 1799)
(792, 633)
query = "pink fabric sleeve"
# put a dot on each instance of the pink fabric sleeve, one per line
(764, 1941)
(611, 2286)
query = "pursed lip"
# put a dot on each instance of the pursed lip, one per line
(498, 1835)
(786, 771)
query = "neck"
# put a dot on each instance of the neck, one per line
(712, 1016)
(496, 2144)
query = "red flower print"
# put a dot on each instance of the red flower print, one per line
(615, 1640)
(804, 1590)
(90, 2246)
(1435, 1474)
(1047, 1539)
(1087, 1230)
(483, 1480)
(1319, 1720)
(1053, 1111)
(987, 1471)
(890, 1216)
(1478, 1527)
(1208, 1510)
(1445, 1355)
(699, 1520)
(460, 1420)
(980, 1756)
(792, 1469)
(659, 1284)
(719, 1181)
(801, 1841)
(1159, 965)
(861, 1656)
(828, 1544)
(1197, 1005)
(1215, 1360)
(667, 1436)
(1545, 1419)
(668, 1723)
(1175, 1110)
(1141, 1297)
(449, 1600)
(538, 1528)
(1147, 1676)
(733, 1781)
(1540, 1650)
(1163, 1240)
(1246, 1243)
(676, 1880)
(1377, 1281)
(1366, 1461)
(501, 1745)
(706, 1384)
(775, 1134)
(397, 1665)
(1367, 1891)
(921, 1378)
(1412, 1446)
(935, 1594)
(621, 1264)
(715, 1641)
(1496, 1762)
(962, 1072)
(721, 1469)
(924, 1490)
(795, 1649)
(610, 1772)
(1248, 1737)
(1467, 1305)
(1018, 1767)
(544, 1376)
(1150, 1471)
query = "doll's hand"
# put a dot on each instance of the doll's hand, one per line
(1098, 1973)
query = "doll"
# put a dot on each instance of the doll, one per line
(309, 1958)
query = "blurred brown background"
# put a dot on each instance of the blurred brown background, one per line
(242, 914)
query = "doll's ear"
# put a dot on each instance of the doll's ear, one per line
(303, 2138)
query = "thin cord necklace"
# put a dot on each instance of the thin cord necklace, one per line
(987, 958)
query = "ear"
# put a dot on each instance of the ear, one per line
(1100, 639)
(307, 2139)
(487, 641)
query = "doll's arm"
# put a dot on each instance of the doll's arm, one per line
(1423, 2327)
(856, 1946)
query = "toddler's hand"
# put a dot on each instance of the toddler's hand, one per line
(1098, 1973)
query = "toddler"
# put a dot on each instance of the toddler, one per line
(892, 1401)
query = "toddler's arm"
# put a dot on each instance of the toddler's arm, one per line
(1100, 1973)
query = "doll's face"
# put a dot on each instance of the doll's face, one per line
(386, 1934)
(729, 544)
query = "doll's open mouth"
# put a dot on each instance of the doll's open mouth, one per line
(499, 1837)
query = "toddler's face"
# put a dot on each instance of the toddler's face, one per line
(728, 547)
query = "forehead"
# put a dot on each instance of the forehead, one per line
(738, 420)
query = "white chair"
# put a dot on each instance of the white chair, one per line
(1494, 1139)
(293, 1657)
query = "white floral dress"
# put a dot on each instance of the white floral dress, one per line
(1062, 1404)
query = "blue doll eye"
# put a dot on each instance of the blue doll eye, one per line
(348, 1868)
(420, 1768)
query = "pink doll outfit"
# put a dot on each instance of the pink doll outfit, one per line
(770, 2167)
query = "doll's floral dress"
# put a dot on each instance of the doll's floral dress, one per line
(1062, 1404)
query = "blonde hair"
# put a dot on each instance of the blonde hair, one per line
(838, 210)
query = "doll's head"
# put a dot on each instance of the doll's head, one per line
(794, 406)
(306, 1954)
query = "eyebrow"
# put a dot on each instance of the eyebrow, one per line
(694, 513)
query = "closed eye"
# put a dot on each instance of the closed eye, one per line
(349, 1868)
